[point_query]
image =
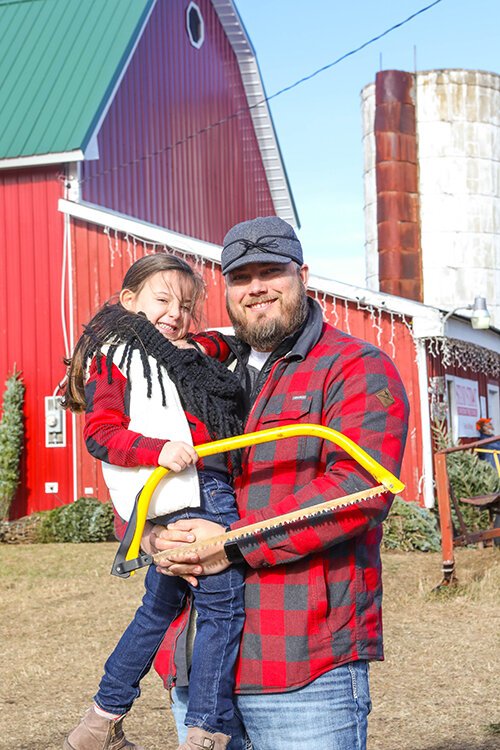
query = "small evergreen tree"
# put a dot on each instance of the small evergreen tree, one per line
(11, 440)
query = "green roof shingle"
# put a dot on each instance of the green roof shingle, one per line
(60, 61)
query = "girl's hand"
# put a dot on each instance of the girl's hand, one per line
(176, 455)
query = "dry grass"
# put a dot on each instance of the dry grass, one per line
(61, 614)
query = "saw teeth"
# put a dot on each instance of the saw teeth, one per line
(275, 523)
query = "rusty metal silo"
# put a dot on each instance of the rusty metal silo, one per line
(457, 170)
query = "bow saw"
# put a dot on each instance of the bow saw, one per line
(129, 558)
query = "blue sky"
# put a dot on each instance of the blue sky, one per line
(319, 122)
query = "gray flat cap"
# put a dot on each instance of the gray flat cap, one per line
(267, 239)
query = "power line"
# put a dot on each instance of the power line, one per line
(353, 51)
(4, 3)
(266, 99)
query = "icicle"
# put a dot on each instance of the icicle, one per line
(391, 341)
(107, 232)
(322, 304)
(128, 250)
(348, 327)
(117, 244)
(378, 326)
(335, 313)
(446, 353)
(327, 309)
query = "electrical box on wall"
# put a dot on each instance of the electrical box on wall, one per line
(55, 423)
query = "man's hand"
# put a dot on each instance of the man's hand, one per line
(205, 562)
(176, 455)
(148, 539)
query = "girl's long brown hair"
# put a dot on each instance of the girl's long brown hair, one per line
(134, 280)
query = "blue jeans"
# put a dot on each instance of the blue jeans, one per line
(219, 602)
(330, 713)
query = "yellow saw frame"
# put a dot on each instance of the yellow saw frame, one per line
(128, 558)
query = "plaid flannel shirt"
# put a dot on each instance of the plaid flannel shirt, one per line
(313, 589)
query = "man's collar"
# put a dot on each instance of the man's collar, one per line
(302, 341)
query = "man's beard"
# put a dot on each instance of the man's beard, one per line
(267, 335)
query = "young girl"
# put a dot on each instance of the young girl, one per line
(146, 402)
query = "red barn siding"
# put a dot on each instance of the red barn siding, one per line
(170, 92)
(31, 253)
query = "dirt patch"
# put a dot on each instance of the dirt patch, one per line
(62, 613)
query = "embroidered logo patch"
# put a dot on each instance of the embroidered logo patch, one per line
(385, 397)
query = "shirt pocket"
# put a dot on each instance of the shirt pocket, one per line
(293, 409)
(287, 451)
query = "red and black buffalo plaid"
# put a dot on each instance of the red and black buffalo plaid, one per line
(313, 589)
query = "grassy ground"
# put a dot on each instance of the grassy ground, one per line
(61, 614)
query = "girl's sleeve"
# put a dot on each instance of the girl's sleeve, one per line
(213, 343)
(106, 432)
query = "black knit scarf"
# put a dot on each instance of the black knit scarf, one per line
(207, 389)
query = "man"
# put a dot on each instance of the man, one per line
(313, 589)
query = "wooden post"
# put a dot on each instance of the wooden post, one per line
(445, 520)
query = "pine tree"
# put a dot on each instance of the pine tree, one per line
(11, 440)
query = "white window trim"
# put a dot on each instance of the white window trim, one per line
(199, 43)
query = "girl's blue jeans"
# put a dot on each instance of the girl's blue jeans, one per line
(219, 602)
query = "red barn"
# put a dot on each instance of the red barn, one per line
(150, 108)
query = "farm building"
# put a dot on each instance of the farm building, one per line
(157, 138)
(152, 108)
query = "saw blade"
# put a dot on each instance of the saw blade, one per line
(271, 523)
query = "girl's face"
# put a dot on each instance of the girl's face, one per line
(167, 300)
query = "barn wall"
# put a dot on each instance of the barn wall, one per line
(31, 262)
(171, 90)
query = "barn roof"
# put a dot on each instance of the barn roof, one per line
(60, 62)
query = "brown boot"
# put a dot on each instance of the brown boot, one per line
(198, 738)
(94, 732)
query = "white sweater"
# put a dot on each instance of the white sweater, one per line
(150, 418)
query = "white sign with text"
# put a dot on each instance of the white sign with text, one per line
(467, 408)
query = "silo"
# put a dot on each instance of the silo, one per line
(458, 154)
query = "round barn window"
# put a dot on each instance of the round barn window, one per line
(195, 25)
